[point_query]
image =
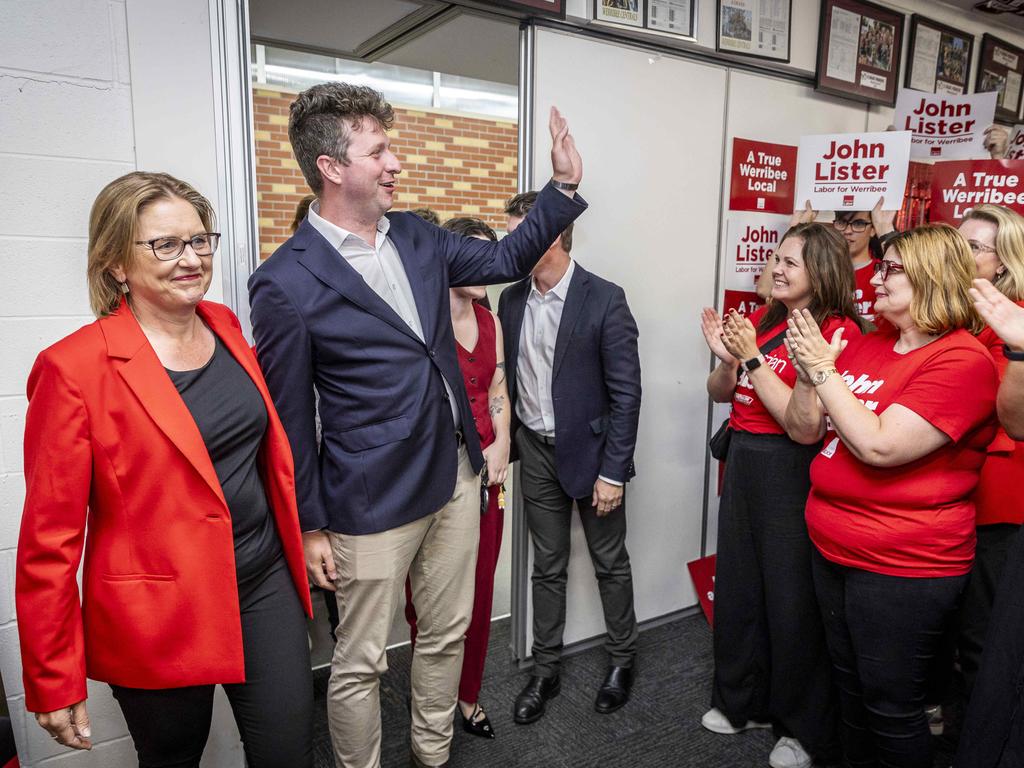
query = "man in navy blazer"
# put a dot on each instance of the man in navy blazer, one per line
(574, 382)
(351, 320)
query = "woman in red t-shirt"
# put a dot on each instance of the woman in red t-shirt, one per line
(996, 238)
(910, 412)
(771, 664)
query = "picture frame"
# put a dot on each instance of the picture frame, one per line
(938, 57)
(748, 28)
(627, 13)
(554, 9)
(859, 48)
(671, 17)
(1001, 69)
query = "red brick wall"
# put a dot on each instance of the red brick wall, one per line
(457, 165)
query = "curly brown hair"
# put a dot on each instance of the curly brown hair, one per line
(322, 119)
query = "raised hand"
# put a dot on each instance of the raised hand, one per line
(803, 215)
(1002, 315)
(711, 327)
(566, 163)
(882, 221)
(813, 353)
(997, 141)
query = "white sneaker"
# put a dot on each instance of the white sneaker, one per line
(789, 754)
(716, 722)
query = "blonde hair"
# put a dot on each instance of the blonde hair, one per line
(939, 264)
(113, 227)
(1009, 246)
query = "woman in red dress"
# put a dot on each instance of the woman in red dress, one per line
(482, 362)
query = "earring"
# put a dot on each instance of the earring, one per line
(124, 287)
(1000, 270)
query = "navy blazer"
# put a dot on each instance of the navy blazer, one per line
(595, 379)
(387, 452)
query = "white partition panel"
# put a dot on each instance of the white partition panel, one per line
(650, 131)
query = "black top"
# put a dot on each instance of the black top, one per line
(232, 419)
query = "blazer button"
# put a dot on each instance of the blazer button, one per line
(433, 353)
(472, 379)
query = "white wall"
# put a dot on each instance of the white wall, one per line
(71, 121)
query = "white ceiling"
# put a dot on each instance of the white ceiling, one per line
(446, 39)
(1006, 19)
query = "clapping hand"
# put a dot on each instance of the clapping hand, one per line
(740, 337)
(882, 221)
(997, 141)
(566, 163)
(805, 342)
(803, 215)
(1002, 315)
(711, 327)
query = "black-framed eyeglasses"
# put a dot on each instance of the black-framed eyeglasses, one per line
(857, 225)
(884, 267)
(977, 247)
(171, 248)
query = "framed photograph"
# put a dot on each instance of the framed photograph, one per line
(629, 13)
(939, 58)
(1000, 69)
(551, 8)
(758, 28)
(859, 46)
(673, 17)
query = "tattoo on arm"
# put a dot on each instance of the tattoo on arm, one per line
(497, 405)
(501, 367)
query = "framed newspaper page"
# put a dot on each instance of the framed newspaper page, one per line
(938, 58)
(629, 13)
(550, 8)
(672, 17)
(859, 46)
(1000, 69)
(757, 28)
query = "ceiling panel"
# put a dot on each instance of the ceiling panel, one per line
(1015, 21)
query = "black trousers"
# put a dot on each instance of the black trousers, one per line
(771, 662)
(884, 635)
(993, 732)
(273, 708)
(549, 518)
(989, 558)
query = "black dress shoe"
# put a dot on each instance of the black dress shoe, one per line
(530, 702)
(614, 691)
(477, 723)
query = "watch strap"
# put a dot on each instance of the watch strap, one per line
(1009, 354)
(564, 185)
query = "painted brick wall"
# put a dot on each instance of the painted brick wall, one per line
(66, 128)
(455, 164)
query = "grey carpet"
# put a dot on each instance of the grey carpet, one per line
(660, 727)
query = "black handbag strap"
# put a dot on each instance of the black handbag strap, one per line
(773, 342)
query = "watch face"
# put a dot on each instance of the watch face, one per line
(752, 364)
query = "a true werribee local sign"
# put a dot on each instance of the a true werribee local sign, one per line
(945, 127)
(763, 176)
(850, 171)
(960, 185)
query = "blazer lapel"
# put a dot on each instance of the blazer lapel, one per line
(426, 304)
(518, 294)
(146, 377)
(316, 255)
(575, 299)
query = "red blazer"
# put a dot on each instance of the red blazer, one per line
(110, 442)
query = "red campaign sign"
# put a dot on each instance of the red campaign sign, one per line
(960, 185)
(702, 573)
(744, 302)
(763, 177)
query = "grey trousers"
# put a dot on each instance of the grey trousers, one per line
(549, 517)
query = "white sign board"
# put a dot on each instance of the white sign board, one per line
(751, 240)
(850, 171)
(945, 127)
(1015, 149)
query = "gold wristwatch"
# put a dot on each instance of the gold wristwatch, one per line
(820, 377)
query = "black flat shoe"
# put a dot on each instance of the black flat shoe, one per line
(614, 691)
(529, 706)
(477, 723)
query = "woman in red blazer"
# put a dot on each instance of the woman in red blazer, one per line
(152, 429)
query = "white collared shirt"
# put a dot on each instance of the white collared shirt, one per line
(381, 268)
(537, 337)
